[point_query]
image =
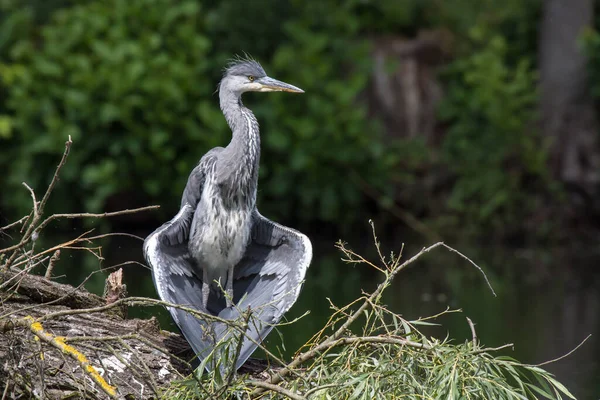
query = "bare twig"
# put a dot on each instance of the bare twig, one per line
(565, 355)
(377, 244)
(79, 215)
(238, 347)
(98, 215)
(8, 279)
(37, 211)
(85, 239)
(488, 349)
(475, 265)
(35, 208)
(473, 333)
(380, 289)
(12, 224)
(136, 301)
(55, 178)
(5, 393)
(127, 263)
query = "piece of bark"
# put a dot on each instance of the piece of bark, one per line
(42, 290)
(114, 290)
(406, 98)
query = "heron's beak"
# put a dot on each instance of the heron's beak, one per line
(273, 85)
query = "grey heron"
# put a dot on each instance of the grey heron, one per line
(218, 239)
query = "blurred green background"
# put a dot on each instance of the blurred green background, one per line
(475, 122)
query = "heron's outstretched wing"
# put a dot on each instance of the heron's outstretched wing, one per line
(172, 271)
(268, 279)
(193, 189)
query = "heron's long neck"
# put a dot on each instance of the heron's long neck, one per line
(243, 152)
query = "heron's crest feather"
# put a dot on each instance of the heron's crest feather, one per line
(244, 65)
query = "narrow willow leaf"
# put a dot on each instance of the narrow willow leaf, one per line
(560, 387)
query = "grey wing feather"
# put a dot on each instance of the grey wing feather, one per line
(269, 277)
(175, 282)
(193, 189)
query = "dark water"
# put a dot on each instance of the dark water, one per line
(546, 304)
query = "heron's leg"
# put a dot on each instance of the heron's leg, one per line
(229, 286)
(205, 289)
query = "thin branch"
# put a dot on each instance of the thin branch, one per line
(565, 355)
(475, 265)
(26, 238)
(92, 215)
(473, 333)
(20, 221)
(488, 349)
(18, 276)
(380, 289)
(35, 208)
(238, 347)
(436, 316)
(127, 263)
(377, 244)
(38, 211)
(136, 301)
(86, 239)
(62, 162)
(5, 393)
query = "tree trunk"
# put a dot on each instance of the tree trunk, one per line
(567, 110)
(79, 354)
(407, 97)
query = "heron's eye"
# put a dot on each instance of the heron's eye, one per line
(251, 78)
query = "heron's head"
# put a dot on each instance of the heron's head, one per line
(248, 76)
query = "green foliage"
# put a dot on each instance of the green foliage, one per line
(516, 19)
(317, 143)
(489, 108)
(122, 90)
(133, 84)
(138, 100)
